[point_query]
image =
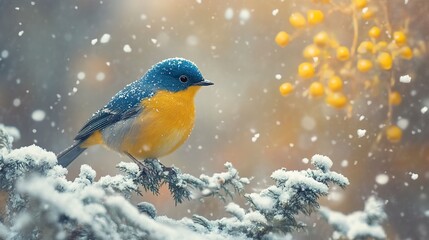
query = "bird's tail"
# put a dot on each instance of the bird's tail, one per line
(71, 153)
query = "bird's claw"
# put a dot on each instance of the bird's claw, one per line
(171, 171)
(145, 170)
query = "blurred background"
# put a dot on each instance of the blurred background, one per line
(60, 61)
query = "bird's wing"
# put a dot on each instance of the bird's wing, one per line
(125, 104)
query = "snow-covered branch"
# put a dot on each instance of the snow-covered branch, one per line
(44, 204)
(364, 224)
(273, 210)
(152, 174)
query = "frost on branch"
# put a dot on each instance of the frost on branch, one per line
(43, 204)
(154, 174)
(364, 224)
(273, 210)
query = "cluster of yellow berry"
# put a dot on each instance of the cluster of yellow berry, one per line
(367, 57)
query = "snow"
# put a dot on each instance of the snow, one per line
(94, 41)
(102, 208)
(105, 38)
(335, 196)
(130, 167)
(16, 102)
(38, 115)
(361, 132)
(235, 210)
(298, 179)
(32, 153)
(308, 123)
(117, 182)
(360, 224)
(255, 217)
(20, 33)
(424, 109)
(403, 123)
(255, 137)
(229, 14)
(192, 40)
(414, 176)
(86, 172)
(278, 76)
(382, 179)
(322, 162)
(262, 202)
(63, 201)
(275, 12)
(4, 54)
(100, 76)
(359, 230)
(127, 48)
(313, 138)
(154, 229)
(12, 131)
(81, 75)
(245, 180)
(405, 79)
(244, 15)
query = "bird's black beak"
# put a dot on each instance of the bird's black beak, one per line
(203, 83)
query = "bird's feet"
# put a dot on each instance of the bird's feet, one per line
(151, 166)
(140, 164)
(144, 170)
(169, 171)
(156, 166)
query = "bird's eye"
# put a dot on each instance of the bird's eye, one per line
(183, 78)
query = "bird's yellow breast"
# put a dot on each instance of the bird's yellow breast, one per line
(165, 123)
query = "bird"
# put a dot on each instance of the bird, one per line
(149, 118)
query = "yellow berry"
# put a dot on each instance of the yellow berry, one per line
(297, 20)
(368, 13)
(306, 70)
(385, 60)
(364, 65)
(314, 17)
(285, 89)
(393, 133)
(406, 52)
(316, 89)
(311, 51)
(321, 39)
(395, 98)
(381, 45)
(343, 53)
(335, 83)
(366, 47)
(374, 32)
(400, 38)
(336, 99)
(282, 39)
(360, 3)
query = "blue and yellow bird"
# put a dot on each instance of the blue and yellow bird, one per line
(149, 118)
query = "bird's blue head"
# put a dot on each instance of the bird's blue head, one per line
(175, 74)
